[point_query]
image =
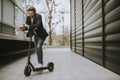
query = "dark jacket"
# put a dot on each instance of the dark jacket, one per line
(37, 26)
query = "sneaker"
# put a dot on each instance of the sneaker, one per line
(39, 65)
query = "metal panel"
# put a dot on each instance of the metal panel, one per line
(112, 31)
(0, 28)
(89, 5)
(0, 15)
(8, 30)
(73, 25)
(79, 26)
(0, 9)
(93, 31)
(86, 2)
(70, 25)
(8, 12)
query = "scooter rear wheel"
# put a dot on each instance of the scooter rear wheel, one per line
(50, 66)
(27, 70)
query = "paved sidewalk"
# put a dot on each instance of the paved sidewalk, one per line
(68, 66)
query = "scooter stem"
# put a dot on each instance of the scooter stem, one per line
(29, 51)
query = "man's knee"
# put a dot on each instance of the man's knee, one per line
(39, 46)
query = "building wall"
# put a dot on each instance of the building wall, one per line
(12, 40)
(0, 8)
(11, 15)
(6, 17)
(95, 32)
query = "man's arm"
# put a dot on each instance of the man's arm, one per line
(31, 27)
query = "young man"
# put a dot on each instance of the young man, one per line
(34, 24)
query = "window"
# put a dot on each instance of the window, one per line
(8, 12)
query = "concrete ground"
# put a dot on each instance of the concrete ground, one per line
(68, 66)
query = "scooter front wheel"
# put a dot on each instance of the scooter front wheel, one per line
(50, 66)
(27, 71)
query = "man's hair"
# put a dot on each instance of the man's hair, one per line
(32, 9)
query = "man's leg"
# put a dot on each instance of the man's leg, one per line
(38, 43)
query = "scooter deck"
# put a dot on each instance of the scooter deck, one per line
(41, 68)
(37, 69)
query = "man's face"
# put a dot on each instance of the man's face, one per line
(31, 14)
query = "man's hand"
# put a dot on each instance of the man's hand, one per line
(24, 26)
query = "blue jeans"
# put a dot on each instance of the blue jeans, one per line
(38, 45)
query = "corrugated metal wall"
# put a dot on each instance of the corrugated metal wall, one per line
(73, 25)
(95, 31)
(112, 35)
(79, 27)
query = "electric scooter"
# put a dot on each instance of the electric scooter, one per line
(29, 67)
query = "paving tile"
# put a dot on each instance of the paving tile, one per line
(68, 66)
